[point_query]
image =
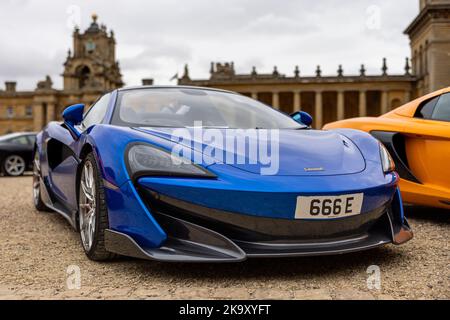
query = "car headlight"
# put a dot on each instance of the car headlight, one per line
(386, 160)
(147, 160)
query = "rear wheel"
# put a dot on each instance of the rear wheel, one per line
(37, 198)
(14, 165)
(93, 214)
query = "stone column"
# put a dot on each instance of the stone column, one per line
(51, 112)
(384, 102)
(255, 95)
(340, 105)
(276, 100)
(297, 101)
(362, 104)
(318, 110)
(38, 117)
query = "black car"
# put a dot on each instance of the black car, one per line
(16, 153)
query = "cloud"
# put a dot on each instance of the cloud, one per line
(148, 57)
(279, 26)
(156, 38)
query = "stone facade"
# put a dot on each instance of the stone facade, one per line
(92, 68)
(331, 98)
(430, 45)
(89, 71)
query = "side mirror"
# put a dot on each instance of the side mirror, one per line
(73, 116)
(302, 118)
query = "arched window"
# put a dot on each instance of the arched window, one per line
(83, 74)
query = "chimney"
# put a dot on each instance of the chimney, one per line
(10, 86)
(147, 82)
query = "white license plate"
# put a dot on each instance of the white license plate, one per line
(329, 207)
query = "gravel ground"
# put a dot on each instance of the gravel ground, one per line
(38, 248)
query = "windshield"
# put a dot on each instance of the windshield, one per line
(185, 107)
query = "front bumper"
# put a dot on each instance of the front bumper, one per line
(200, 234)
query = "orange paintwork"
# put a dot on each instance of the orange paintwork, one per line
(427, 150)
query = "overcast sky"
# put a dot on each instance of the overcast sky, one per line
(157, 37)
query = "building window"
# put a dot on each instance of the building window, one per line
(83, 74)
(29, 111)
(9, 112)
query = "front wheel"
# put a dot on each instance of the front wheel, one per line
(93, 213)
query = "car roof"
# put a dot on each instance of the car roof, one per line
(174, 87)
(409, 109)
(16, 135)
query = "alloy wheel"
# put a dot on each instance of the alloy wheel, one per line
(14, 165)
(87, 206)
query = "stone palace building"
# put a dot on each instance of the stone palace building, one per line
(92, 69)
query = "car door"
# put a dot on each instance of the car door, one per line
(427, 142)
(64, 146)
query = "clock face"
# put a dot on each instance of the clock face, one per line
(90, 46)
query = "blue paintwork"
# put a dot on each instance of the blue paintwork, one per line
(368, 147)
(295, 151)
(74, 114)
(351, 158)
(129, 215)
(272, 196)
(400, 205)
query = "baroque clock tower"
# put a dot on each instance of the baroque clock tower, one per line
(92, 65)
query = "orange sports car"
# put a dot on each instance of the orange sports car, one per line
(417, 135)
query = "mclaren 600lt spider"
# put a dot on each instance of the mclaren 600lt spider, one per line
(204, 175)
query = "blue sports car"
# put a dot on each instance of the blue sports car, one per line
(204, 175)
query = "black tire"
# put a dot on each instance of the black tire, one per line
(37, 196)
(97, 251)
(2, 170)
